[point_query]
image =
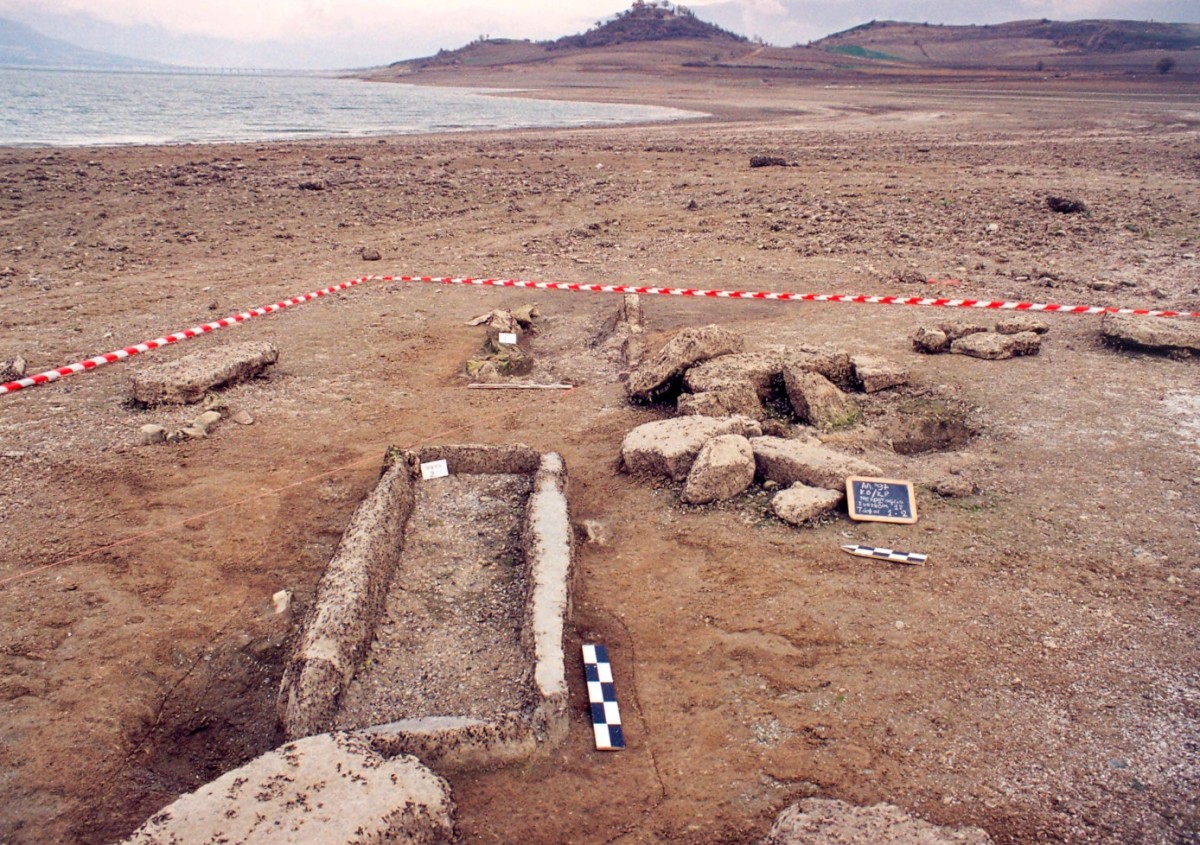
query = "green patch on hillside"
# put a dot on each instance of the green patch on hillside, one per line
(862, 53)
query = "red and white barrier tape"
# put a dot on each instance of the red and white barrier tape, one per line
(772, 296)
(195, 331)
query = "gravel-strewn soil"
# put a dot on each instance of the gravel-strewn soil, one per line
(1038, 678)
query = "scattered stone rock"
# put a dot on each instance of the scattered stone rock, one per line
(757, 369)
(909, 276)
(736, 398)
(370, 254)
(313, 185)
(875, 373)
(153, 434)
(818, 401)
(930, 341)
(789, 461)
(659, 376)
(834, 364)
(669, 447)
(826, 821)
(187, 380)
(282, 601)
(207, 420)
(334, 789)
(243, 418)
(526, 314)
(995, 347)
(1104, 286)
(800, 504)
(1022, 323)
(955, 329)
(1065, 205)
(594, 532)
(194, 431)
(12, 369)
(1155, 334)
(768, 161)
(955, 487)
(723, 469)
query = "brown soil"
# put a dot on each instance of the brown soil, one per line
(1037, 679)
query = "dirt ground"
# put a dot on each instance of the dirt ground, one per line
(1038, 678)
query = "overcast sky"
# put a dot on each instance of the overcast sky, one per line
(361, 33)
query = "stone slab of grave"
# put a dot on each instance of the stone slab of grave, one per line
(437, 629)
(331, 789)
(188, 379)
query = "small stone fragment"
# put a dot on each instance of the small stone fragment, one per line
(12, 369)
(595, 533)
(206, 420)
(1022, 323)
(371, 254)
(195, 432)
(995, 347)
(243, 418)
(955, 487)
(875, 373)
(930, 341)
(800, 504)
(282, 601)
(768, 161)
(1065, 205)
(153, 434)
(723, 469)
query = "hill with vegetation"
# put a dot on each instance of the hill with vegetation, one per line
(659, 38)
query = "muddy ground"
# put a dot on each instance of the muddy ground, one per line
(1038, 678)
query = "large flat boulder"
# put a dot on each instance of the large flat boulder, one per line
(669, 447)
(723, 469)
(826, 821)
(759, 370)
(788, 461)
(992, 346)
(188, 379)
(816, 400)
(331, 789)
(735, 398)
(800, 503)
(1156, 334)
(659, 374)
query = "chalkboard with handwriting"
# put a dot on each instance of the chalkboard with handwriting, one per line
(881, 500)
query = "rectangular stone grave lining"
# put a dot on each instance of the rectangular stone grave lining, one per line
(438, 626)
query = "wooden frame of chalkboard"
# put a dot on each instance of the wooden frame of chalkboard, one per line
(896, 501)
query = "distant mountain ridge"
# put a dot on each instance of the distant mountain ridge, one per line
(657, 38)
(24, 47)
(1009, 44)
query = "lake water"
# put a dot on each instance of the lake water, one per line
(77, 108)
